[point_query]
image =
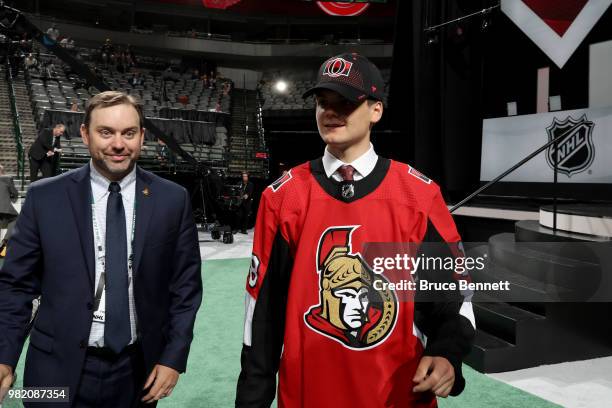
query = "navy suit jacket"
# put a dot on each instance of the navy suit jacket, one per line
(51, 254)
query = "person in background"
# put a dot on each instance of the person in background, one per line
(53, 32)
(246, 196)
(8, 213)
(284, 169)
(67, 43)
(205, 82)
(106, 50)
(44, 152)
(165, 156)
(30, 62)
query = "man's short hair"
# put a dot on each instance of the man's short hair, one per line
(111, 98)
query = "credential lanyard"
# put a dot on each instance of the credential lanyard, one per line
(100, 249)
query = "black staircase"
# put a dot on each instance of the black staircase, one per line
(546, 327)
(247, 144)
(543, 318)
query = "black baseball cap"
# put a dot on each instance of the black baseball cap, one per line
(352, 75)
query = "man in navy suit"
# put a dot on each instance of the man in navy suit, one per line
(113, 252)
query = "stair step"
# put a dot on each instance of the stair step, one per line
(488, 352)
(546, 267)
(502, 319)
(522, 288)
(532, 231)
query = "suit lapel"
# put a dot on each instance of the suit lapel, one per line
(80, 200)
(145, 203)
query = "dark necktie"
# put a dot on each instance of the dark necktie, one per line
(346, 172)
(117, 333)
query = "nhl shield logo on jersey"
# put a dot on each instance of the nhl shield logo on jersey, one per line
(575, 150)
(350, 309)
(347, 190)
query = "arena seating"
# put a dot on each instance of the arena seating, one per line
(292, 99)
(59, 91)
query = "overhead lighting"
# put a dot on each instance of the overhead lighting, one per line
(281, 86)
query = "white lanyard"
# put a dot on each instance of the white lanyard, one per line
(100, 294)
(100, 245)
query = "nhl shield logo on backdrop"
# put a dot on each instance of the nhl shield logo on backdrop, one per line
(575, 151)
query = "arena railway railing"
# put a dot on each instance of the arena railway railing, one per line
(14, 22)
(76, 155)
(260, 129)
(555, 141)
(16, 124)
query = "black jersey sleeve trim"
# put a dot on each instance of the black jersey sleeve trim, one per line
(449, 334)
(260, 361)
(362, 188)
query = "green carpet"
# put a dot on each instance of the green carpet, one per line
(214, 361)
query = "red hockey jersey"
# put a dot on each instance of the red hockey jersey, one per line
(314, 314)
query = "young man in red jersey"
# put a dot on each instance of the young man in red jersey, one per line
(316, 313)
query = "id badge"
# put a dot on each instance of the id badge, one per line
(99, 314)
(100, 295)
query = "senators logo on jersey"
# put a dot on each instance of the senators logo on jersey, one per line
(350, 310)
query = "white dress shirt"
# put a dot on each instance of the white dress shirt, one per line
(363, 165)
(99, 189)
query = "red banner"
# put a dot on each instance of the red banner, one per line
(219, 4)
(557, 27)
(294, 8)
(558, 15)
(335, 8)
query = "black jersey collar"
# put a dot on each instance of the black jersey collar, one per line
(361, 187)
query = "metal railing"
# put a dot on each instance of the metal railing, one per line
(260, 129)
(16, 124)
(555, 141)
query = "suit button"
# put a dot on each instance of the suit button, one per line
(83, 344)
(89, 306)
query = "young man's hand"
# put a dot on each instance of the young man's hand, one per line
(6, 380)
(434, 374)
(162, 381)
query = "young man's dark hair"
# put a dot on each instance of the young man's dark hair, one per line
(316, 313)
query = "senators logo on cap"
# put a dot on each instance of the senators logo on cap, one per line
(337, 67)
